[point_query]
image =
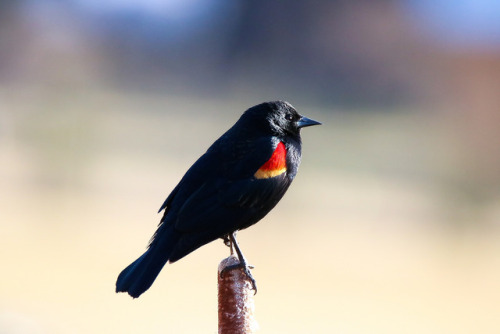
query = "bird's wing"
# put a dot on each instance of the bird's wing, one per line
(230, 205)
(220, 189)
(169, 199)
(213, 212)
(226, 159)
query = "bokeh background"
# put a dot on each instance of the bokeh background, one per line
(392, 225)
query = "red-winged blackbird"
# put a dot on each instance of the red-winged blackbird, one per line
(240, 178)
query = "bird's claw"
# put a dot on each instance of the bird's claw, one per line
(246, 269)
(250, 277)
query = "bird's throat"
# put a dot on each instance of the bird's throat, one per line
(276, 165)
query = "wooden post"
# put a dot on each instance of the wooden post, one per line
(236, 305)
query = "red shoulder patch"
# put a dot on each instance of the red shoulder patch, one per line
(275, 166)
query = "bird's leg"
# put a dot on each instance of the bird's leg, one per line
(234, 243)
(243, 262)
(228, 243)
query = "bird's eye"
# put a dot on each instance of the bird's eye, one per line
(289, 117)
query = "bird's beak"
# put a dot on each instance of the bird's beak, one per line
(304, 121)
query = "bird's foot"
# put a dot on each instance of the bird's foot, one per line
(227, 241)
(246, 269)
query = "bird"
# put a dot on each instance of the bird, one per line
(233, 185)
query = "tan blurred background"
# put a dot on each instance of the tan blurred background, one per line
(392, 225)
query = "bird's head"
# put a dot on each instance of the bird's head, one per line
(278, 117)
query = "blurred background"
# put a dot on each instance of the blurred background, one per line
(391, 226)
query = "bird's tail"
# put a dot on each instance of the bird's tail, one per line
(140, 274)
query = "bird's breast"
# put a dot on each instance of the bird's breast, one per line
(276, 165)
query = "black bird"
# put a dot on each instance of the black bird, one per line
(240, 178)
